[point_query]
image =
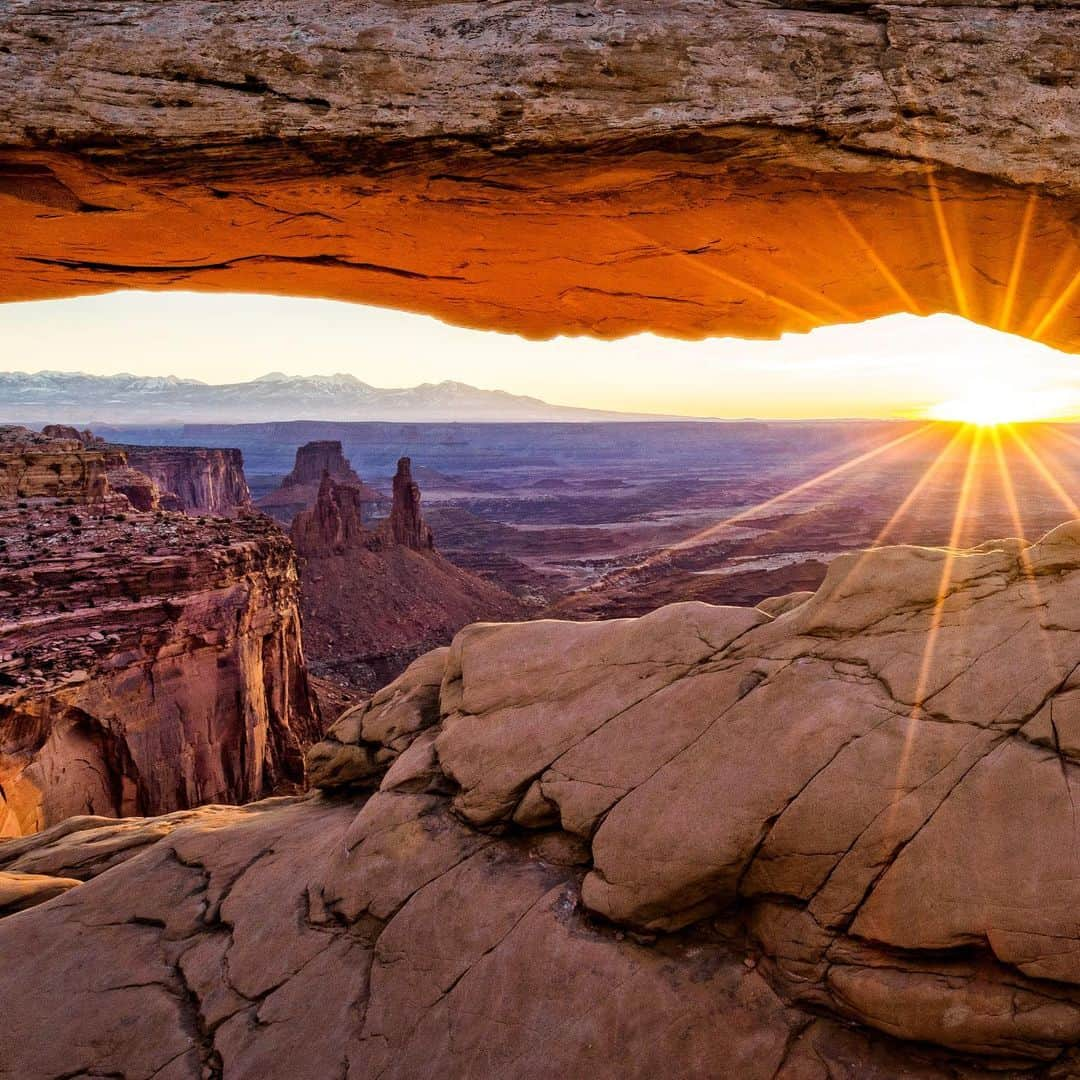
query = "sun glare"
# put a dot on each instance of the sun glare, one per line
(989, 406)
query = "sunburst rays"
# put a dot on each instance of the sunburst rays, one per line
(937, 613)
(924, 482)
(948, 245)
(816, 481)
(1012, 286)
(1057, 308)
(1045, 473)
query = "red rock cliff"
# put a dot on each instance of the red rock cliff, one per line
(148, 662)
(201, 480)
(40, 466)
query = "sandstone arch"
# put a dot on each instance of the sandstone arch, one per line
(688, 168)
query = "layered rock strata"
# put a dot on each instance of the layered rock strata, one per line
(196, 480)
(148, 662)
(692, 169)
(35, 466)
(375, 597)
(299, 490)
(833, 841)
(122, 479)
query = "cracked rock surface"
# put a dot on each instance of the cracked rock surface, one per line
(746, 168)
(835, 842)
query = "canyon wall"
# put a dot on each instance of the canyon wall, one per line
(195, 479)
(692, 169)
(147, 662)
(37, 466)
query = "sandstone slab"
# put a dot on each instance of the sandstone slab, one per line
(705, 842)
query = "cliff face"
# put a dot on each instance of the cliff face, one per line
(694, 169)
(147, 663)
(194, 479)
(142, 679)
(39, 466)
(833, 838)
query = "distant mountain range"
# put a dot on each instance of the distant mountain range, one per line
(66, 398)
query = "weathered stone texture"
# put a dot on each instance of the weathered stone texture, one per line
(684, 167)
(705, 842)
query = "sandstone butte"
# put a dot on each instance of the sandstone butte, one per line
(375, 595)
(300, 489)
(687, 168)
(149, 661)
(707, 842)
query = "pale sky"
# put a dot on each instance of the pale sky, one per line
(897, 366)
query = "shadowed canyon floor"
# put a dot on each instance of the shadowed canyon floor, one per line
(832, 836)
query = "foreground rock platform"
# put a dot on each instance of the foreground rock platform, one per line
(688, 168)
(835, 842)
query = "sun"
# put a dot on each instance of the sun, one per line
(990, 405)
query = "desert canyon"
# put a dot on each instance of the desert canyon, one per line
(812, 821)
(150, 662)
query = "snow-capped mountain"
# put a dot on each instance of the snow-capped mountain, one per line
(62, 397)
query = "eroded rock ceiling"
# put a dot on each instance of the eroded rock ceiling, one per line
(742, 168)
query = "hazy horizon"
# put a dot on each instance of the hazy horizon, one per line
(896, 367)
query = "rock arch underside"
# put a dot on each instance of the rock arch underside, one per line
(740, 168)
(761, 843)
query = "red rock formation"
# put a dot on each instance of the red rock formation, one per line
(334, 525)
(73, 434)
(135, 486)
(193, 479)
(406, 523)
(374, 598)
(689, 168)
(299, 490)
(710, 842)
(146, 665)
(147, 662)
(313, 459)
(36, 466)
(197, 480)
